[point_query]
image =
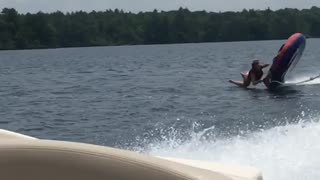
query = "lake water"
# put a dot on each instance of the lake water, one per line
(168, 100)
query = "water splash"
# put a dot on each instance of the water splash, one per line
(298, 79)
(283, 153)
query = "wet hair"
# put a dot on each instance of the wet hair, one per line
(255, 62)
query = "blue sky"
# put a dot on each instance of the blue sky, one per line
(148, 5)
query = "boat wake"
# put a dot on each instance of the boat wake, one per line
(282, 153)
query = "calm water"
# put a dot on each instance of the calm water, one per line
(170, 100)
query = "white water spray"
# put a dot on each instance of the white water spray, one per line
(282, 153)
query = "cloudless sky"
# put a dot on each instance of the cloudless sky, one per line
(24, 6)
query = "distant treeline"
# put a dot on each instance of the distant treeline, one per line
(115, 27)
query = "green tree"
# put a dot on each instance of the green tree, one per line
(116, 27)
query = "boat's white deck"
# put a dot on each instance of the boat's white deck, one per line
(28, 158)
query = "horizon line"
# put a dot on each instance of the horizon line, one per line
(158, 10)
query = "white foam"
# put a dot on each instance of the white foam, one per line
(283, 153)
(301, 78)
